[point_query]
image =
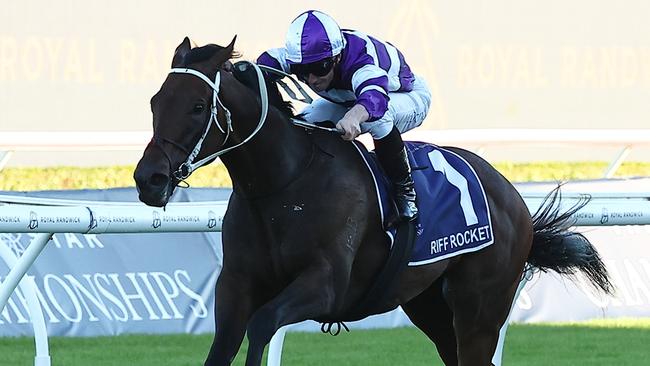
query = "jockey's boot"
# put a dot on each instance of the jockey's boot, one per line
(393, 158)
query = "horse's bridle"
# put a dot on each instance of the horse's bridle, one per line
(188, 166)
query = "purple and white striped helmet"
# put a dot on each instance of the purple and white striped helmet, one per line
(313, 36)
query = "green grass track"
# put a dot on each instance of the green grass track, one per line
(607, 344)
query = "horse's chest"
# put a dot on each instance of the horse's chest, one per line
(286, 225)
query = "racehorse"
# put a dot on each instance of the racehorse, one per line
(302, 234)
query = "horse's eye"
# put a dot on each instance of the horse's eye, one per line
(198, 108)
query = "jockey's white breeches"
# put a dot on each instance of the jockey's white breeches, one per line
(406, 110)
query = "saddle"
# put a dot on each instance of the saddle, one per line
(454, 214)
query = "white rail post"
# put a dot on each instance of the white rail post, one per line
(275, 347)
(24, 262)
(613, 167)
(4, 158)
(28, 286)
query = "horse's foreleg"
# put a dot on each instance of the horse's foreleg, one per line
(233, 307)
(310, 295)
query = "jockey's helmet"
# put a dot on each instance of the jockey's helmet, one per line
(313, 36)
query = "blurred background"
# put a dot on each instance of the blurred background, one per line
(75, 65)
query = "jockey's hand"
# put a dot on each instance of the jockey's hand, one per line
(350, 126)
(351, 122)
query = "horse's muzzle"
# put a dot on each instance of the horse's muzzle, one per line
(153, 189)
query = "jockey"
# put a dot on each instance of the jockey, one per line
(366, 86)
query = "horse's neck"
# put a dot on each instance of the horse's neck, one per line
(272, 159)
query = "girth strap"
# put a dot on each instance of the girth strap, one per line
(397, 261)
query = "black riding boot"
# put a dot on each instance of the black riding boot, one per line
(392, 156)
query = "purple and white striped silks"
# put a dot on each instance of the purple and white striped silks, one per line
(313, 36)
(368, 71)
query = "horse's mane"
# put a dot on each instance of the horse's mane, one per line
(203, 53)
(275, 98)
(246, 75)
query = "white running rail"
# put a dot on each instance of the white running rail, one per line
(48, 216)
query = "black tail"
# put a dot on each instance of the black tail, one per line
(557, 248)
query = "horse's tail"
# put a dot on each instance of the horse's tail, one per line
(557, 248)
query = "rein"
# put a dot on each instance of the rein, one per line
(187, 167)
(305, 99)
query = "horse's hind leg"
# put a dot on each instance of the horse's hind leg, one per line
(431, 314)
(480, 307)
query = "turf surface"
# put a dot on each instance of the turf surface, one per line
(604, 343)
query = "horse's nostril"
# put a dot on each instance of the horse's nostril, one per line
(159, 180)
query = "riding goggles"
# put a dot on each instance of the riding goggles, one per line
(318, 68)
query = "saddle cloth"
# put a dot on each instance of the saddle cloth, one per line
(454, 216)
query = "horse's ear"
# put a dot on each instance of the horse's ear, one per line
(224, 55)
(181, 51)
(231, 46)
(230, 49)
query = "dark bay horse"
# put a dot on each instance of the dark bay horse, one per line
(302, 237)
